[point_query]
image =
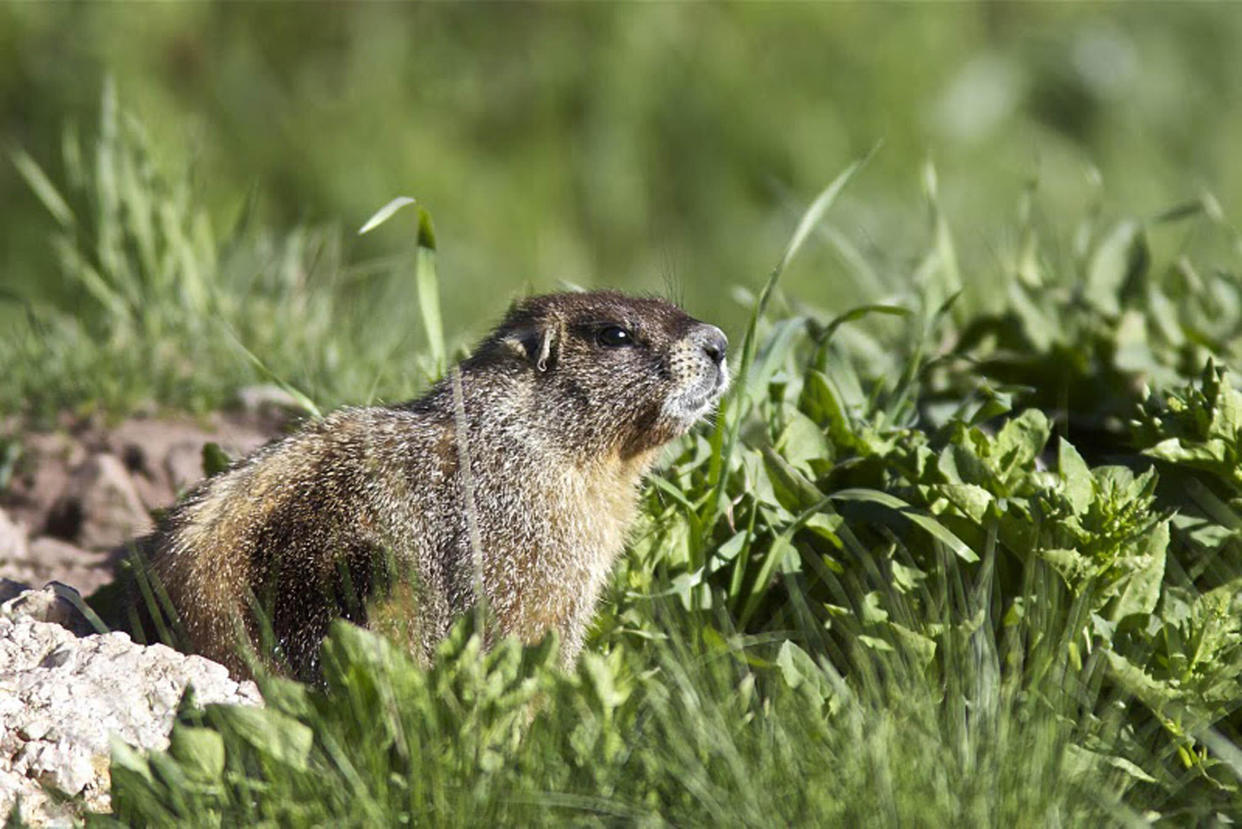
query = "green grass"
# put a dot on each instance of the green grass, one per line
(162, 309)
(967, 556)
(650, 147)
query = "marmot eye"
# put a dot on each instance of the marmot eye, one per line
(614, 336)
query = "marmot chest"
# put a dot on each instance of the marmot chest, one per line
(557, 552)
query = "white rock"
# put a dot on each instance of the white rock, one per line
(62, 696)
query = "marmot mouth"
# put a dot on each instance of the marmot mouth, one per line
(700, 406)
(687, 405)
(694, 406)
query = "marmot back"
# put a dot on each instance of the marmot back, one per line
(515, 478)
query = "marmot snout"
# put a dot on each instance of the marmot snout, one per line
(514, 480)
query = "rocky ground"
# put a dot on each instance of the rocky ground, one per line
(75, 495)
(70, 499)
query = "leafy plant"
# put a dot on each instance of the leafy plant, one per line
(916, 568)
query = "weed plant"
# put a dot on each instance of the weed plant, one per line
(933, 563)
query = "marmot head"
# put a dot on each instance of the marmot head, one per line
(610, 373)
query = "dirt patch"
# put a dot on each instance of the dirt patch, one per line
(75, 495)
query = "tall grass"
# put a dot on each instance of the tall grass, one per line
(683, 733)
(161, 308)
(877, 590)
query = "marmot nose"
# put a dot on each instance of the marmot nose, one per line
(714, 343)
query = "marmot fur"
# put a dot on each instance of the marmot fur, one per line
(515, 478)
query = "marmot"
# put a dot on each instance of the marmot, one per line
(515, 478)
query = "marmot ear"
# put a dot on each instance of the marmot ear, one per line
(537, 343)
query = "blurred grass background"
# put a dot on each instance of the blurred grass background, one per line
(662, 147)
(192, 231)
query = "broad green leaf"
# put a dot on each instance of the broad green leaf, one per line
(825, 525)
(1072, 566)
(602, 681)
(801, 673)
(200, 751)
(906, 578)
(271, 733)
(1142, 585)
(755, 474)
(1121, 480)
(1076, 477)
(1133, 346)
(995, 404)
(125, 756)
(1228, 419)
(960, 464)
(1037, 327)
(729, 550)
(971, 500)
(802, 442)
(872, 608)
(288, 696)
(1161, 697)
(922, 648)
(792, 488)
(1018, 444)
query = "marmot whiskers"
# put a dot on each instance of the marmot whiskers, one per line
(517, 476)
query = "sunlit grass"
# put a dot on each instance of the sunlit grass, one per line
(935, 563)
(169, 311)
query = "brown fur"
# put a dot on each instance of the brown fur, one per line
(559, 428)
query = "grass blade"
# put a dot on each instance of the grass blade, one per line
(297, 394)
(732, 408)
(427, 284)
(385, 213)
(893, 504)
(43, 188)
(426, 281)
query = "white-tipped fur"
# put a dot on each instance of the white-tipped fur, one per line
(560, 427)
